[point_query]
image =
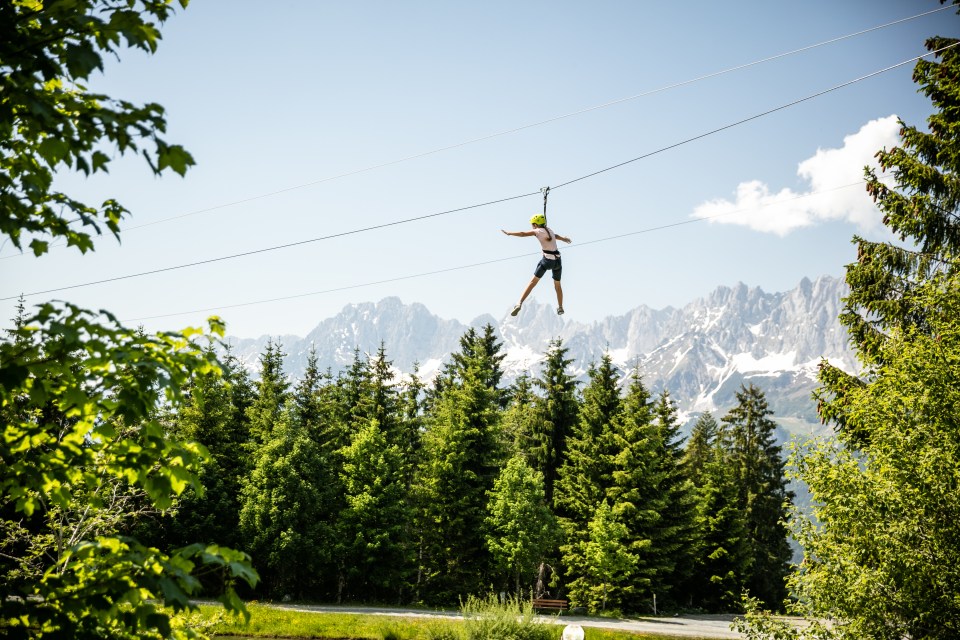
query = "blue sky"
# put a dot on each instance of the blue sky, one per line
(276, 100)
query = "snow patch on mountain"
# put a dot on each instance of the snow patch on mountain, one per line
(701, 352)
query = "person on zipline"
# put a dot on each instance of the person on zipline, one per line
(549, 262)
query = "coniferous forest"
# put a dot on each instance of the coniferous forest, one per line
(361, 487)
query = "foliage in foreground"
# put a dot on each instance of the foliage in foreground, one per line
(882, 550)
(83, 455)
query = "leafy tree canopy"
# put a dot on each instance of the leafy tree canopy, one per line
(79, 392)
(49, 121)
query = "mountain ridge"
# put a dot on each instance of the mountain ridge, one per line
(700, 352)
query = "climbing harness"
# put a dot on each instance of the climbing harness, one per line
(554, 255)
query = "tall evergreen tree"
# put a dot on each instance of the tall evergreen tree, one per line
(634, 495)
(207, 417)
(557, 413)
(518, 418)
(676, 529)
(272, 391)
(483, 349)
(720, 549)
(759, 473)
(462, 460)
(411, 420)
(921, 208)
(282, 518)
(309, 407)
(458, 472)
(385, 397)
(587, 469)
(372, 559)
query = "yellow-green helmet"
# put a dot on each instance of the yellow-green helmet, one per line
(539, 219)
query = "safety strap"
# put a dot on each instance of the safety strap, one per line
(546, 192)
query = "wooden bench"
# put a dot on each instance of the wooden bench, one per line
(543, 604)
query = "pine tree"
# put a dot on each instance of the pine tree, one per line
(206, 418)
(720, 549)
(557, 411)
(587, 470)
(461, 461)
(676, 529)
(921, 208)
(634, 495)
(518, 418)
(483, 350)
(309, 407)
(272, 392)
(283, 519)
(354, 400)
(411, 420)
(372, 559)
(759, 473)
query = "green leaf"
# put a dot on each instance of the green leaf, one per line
(53, 150)
(81, 59)
(174, 157)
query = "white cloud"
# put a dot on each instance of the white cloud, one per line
(757, 207)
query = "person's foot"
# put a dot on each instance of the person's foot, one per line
(515, 311)
(559, 311)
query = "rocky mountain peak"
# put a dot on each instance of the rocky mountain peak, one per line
(701, 353)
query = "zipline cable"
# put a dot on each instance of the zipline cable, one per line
(494, 261)
(491, 202)
(530, 125)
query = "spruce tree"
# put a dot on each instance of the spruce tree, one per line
(371, 556)
(309, 407)
(557, 413)
(206, 417)
(587, 470)
(484, 349)
(634, 495)
(354, 400)
(272, 391)
(461, 461)
(283, 519)
(385, 397)
(411, 422)
(920, 206)
(720, 551)
(759, 473)
(518, 418)
(676, 529)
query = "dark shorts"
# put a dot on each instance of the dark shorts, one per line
(545, 265)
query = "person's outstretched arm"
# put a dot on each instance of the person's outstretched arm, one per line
(519, 234)
(564, 238)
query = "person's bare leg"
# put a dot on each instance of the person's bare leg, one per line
(559, 290)
(526, 292)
